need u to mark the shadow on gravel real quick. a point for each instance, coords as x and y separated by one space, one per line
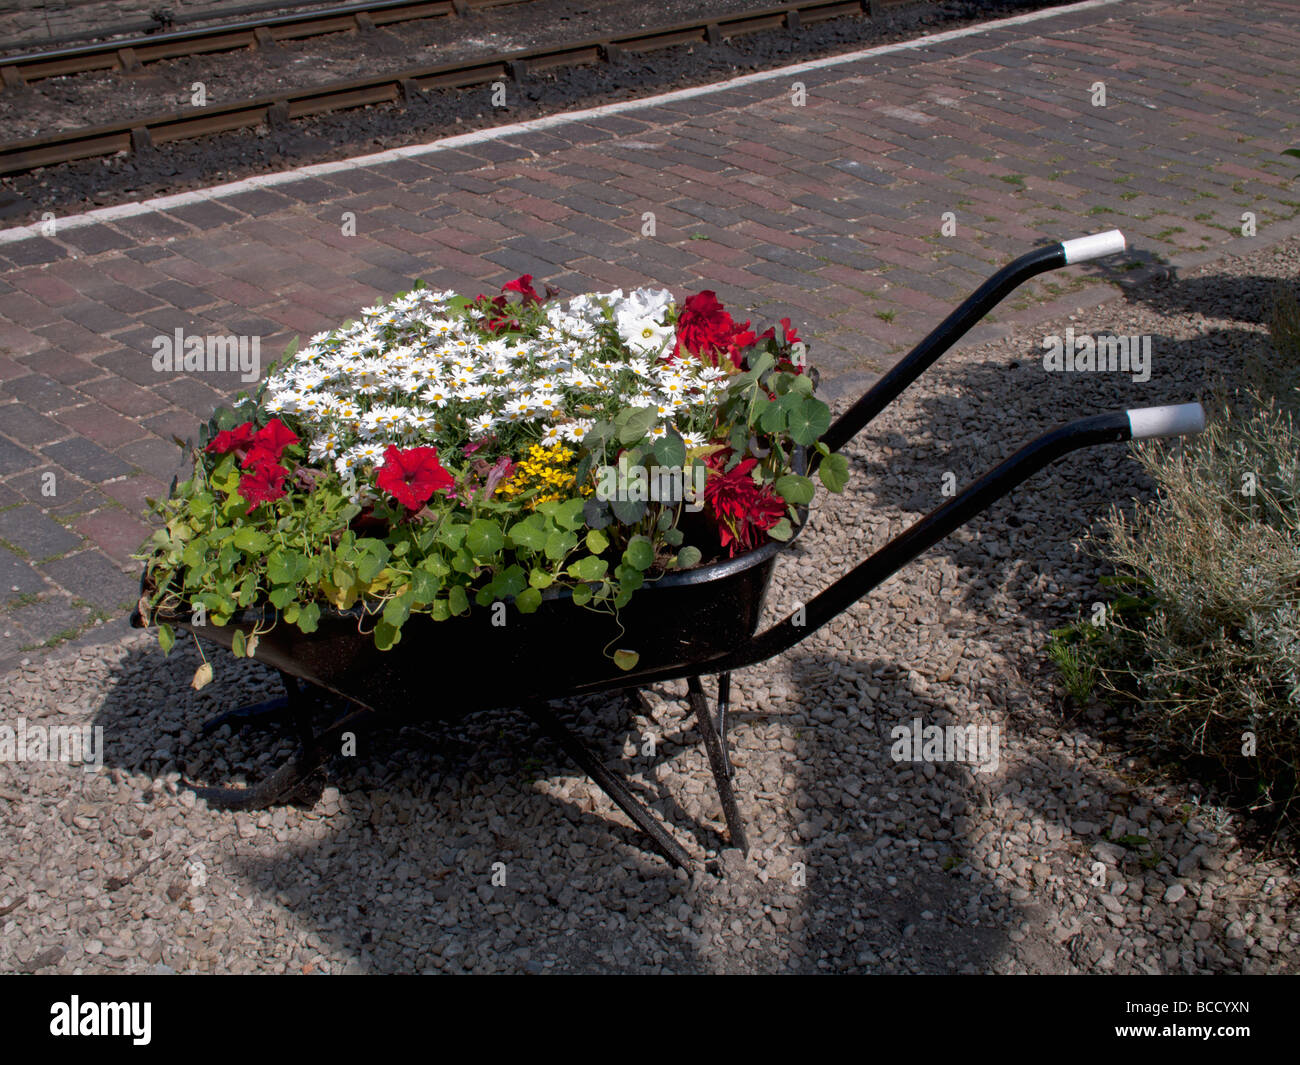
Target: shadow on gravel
392 862
963 419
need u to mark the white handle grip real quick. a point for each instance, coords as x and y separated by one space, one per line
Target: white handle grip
1182 419
1082 249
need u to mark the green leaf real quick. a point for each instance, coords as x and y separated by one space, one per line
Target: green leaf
629 579
510 581
772 418
670 450
688 556
308 617
782 530
628 511
251 541
529 533
285 567
398 609
597 541
596 514
528 600
237 643
569 514
834 472
764 363
589 568
457 600
374 557
424 586
452 535
281 597
640 553
626 660
673 537
638 422
559 544
484 538
386 636
809 420
166 638
582 594
539 578
795 489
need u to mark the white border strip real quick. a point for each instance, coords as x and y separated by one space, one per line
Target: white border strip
261 181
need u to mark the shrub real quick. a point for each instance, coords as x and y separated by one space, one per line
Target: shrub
1204 640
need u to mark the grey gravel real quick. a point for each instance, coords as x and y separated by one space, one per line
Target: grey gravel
857 862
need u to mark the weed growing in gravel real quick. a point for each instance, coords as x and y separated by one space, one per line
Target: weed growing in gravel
1205 642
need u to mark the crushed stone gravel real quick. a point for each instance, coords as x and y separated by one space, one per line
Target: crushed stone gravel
858 862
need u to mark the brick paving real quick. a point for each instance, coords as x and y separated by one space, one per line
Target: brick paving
829 212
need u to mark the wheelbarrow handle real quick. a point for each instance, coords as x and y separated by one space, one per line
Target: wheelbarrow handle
1139 424
960 321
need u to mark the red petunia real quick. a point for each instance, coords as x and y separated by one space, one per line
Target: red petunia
742 508
263 484
230 439
413 475
524 286
275 436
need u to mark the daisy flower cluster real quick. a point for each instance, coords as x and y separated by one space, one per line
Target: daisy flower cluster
434 369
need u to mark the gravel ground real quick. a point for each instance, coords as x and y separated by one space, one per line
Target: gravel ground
858 863
82 100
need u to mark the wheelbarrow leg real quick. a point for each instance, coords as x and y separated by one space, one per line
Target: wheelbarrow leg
724 704
609 783
716 750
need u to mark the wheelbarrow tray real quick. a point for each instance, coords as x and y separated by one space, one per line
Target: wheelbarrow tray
446 669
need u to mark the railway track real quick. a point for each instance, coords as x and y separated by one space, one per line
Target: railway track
130 54
282 108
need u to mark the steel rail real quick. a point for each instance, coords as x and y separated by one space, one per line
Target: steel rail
130 54
283 107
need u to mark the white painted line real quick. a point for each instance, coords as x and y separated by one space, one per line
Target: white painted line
262 181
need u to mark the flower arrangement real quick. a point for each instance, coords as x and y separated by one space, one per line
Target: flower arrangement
441 453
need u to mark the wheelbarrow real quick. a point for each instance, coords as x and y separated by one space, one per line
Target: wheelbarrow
684 625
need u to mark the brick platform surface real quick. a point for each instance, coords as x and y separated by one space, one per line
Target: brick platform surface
831 212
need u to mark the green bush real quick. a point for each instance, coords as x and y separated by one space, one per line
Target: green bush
1203 642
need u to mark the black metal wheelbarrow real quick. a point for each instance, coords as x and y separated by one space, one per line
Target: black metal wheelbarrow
684 625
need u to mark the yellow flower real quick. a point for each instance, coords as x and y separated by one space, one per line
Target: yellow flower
544 468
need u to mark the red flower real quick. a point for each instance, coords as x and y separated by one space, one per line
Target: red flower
263 484
413 475
704 328
275 436
229 439
791 336
524 286
708 331
742 508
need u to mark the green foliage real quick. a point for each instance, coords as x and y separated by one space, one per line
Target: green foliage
323 546
1204 641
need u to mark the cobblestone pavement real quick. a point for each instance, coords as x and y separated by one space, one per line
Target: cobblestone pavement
821 195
